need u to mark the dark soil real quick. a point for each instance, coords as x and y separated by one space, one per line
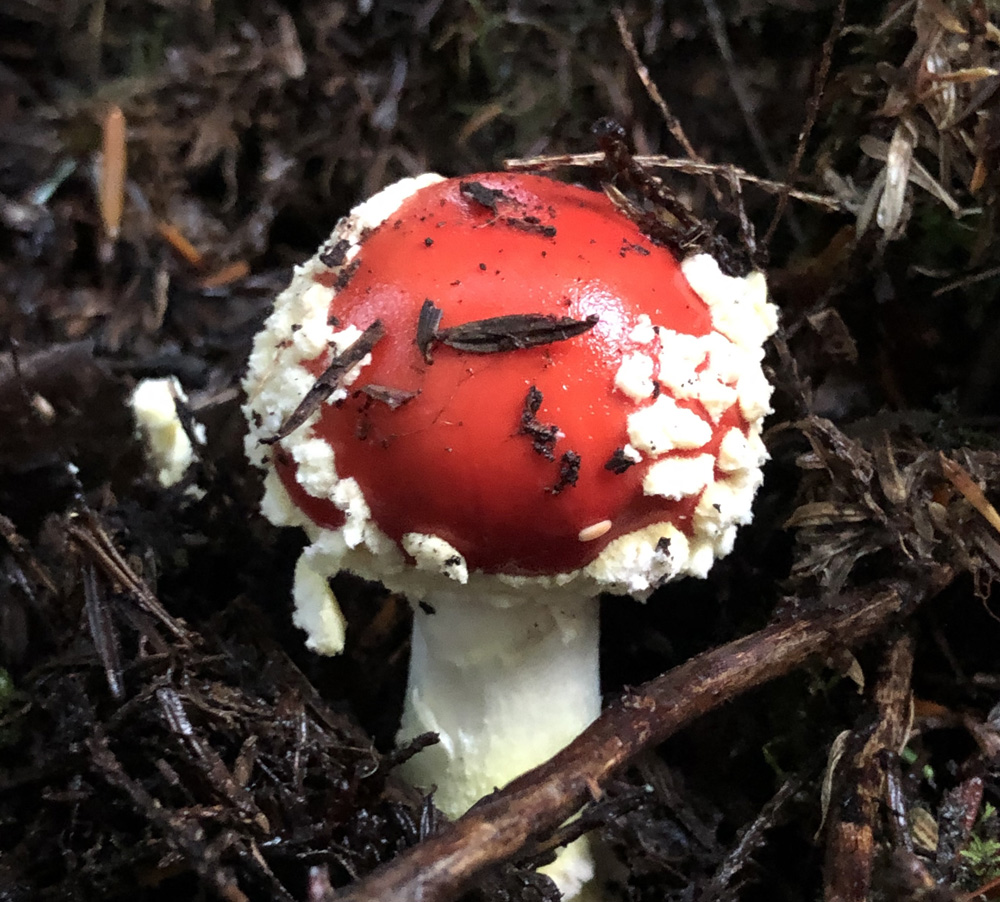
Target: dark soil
163 731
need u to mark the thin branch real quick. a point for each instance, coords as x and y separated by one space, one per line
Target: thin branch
966 281
87 532
672 122
717 25
503 824
690 167
814 103
751 838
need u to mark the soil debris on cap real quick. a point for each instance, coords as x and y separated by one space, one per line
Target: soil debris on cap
543 435
480 194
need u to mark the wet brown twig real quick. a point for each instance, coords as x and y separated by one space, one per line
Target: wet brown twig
329 380
853 845
501 825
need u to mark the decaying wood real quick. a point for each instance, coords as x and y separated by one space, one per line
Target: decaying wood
669 221
500 826
853 842
960 478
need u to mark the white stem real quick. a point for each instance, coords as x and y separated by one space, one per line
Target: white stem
505 688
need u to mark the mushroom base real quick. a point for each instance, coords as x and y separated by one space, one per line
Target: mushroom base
505 688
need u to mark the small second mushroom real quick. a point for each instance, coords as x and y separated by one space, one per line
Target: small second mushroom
515 401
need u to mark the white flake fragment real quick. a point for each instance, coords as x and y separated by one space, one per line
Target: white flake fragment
755 395
728 361
276 506
664 426
434 554
715 397
342 339
573 870
167 444
316 333
743 485
739 306
701 556
635 376
734 451
674 478
726 503
760 455
641 560
346 494
726 541
680 358
742 452
703 367
643 332
714 510
316 473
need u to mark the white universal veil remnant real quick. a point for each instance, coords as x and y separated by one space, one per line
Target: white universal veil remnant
168 447
497 396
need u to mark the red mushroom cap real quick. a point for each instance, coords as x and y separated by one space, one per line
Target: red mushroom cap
520 459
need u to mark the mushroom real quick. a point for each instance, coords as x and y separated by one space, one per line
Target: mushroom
498 397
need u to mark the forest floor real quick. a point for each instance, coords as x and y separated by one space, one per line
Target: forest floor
165 734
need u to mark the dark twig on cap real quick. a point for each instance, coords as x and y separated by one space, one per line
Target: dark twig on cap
513 332
327 383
